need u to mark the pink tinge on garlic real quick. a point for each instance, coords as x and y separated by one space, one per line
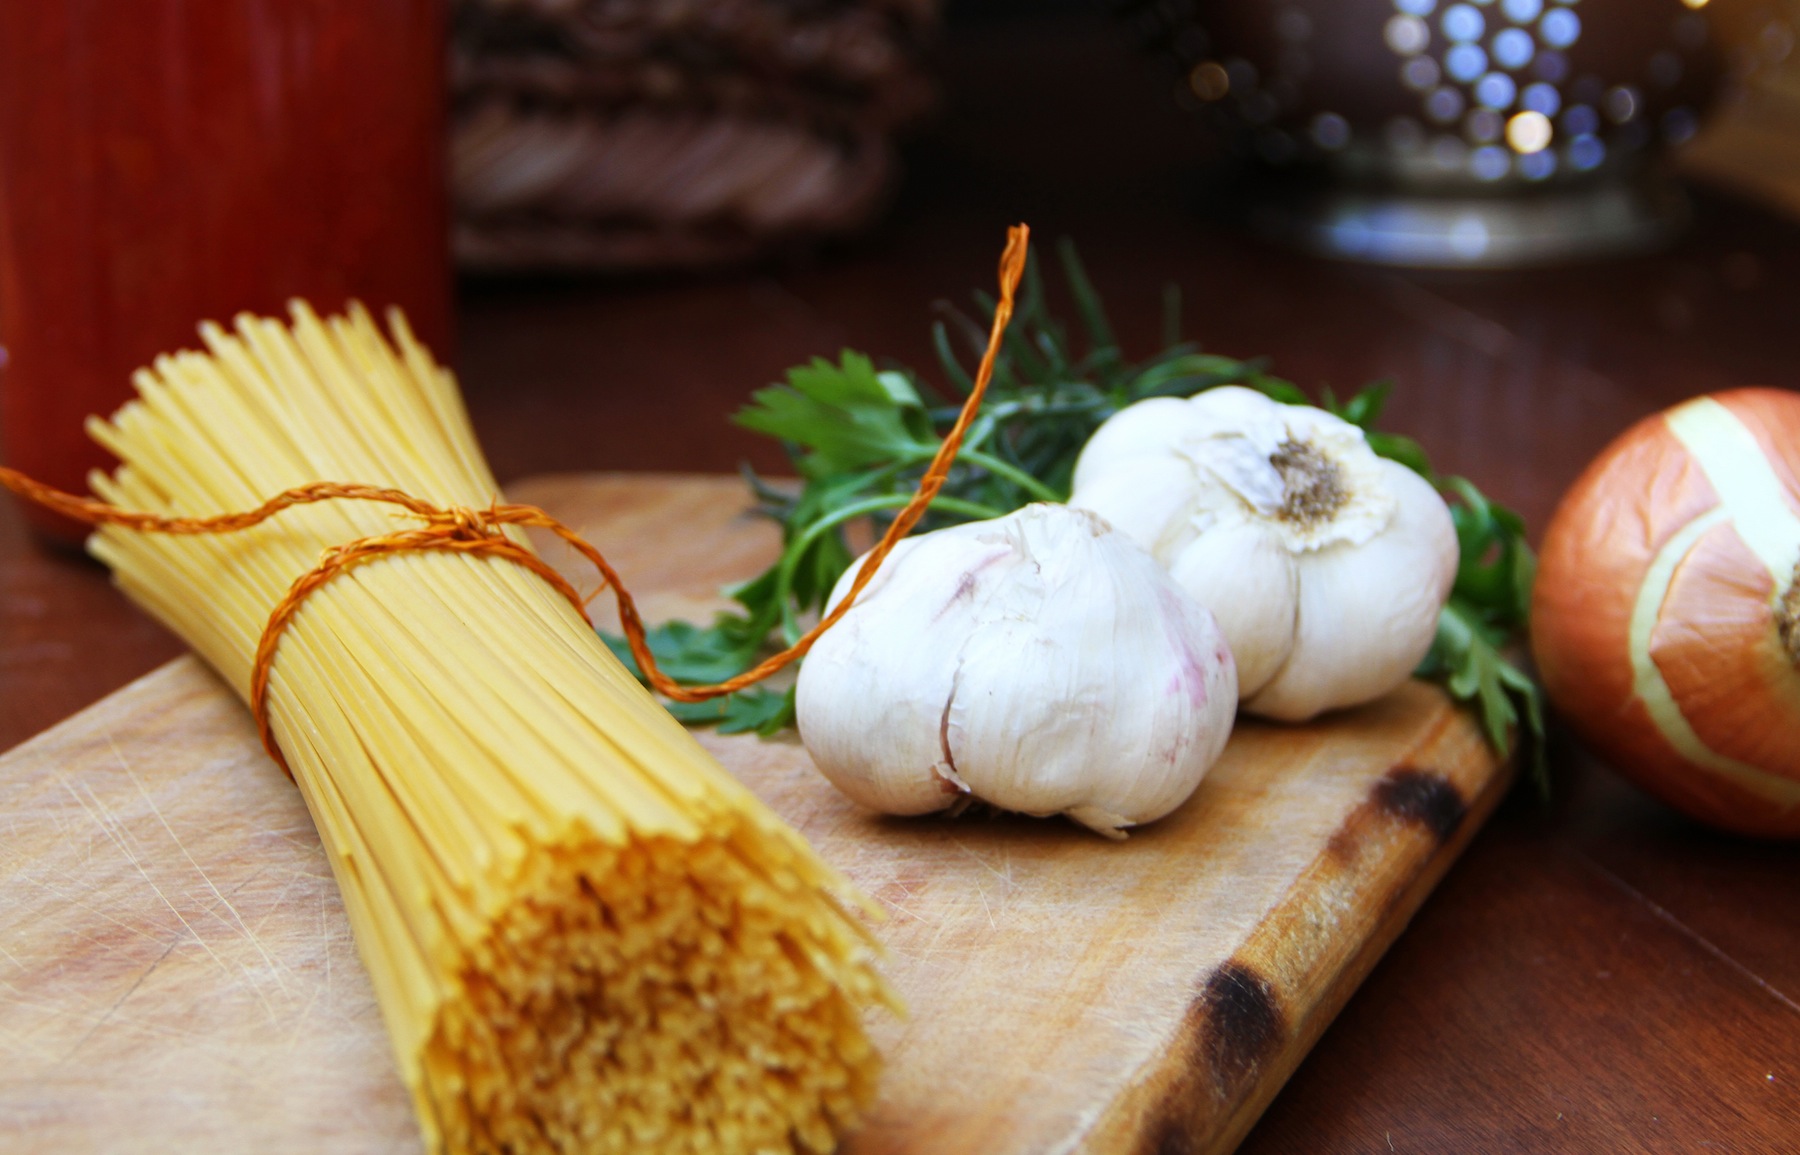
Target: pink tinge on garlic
1040 661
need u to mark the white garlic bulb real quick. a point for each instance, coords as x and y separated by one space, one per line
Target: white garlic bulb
1040 662
1325 565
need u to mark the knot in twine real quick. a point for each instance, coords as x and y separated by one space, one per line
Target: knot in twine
458 529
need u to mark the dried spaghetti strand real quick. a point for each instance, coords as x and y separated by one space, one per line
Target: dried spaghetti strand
582 932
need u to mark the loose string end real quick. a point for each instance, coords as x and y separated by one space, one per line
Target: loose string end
460 530
1012 270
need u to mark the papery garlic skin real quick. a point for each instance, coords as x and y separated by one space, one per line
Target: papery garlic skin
1325 564
1040 662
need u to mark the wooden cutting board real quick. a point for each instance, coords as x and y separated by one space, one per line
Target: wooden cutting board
176 972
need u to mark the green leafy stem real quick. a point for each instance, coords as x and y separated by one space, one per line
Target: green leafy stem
861 438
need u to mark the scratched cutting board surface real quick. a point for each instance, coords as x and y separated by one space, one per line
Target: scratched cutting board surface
176 972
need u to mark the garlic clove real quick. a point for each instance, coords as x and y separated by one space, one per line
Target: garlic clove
1250 581
1146 429
881 751
1041 661
1244 411
1367 612
1115 667
1150 503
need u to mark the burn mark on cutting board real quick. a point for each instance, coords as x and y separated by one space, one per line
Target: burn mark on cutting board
1242 1024
1234 1027
1424 797
1407 796
1171 1137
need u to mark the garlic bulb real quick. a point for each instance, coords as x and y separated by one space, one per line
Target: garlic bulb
1325 565
1040 662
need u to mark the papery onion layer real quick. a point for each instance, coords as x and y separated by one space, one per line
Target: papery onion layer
1656 618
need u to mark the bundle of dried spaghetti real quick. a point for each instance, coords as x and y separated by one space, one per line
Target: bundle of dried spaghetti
583 933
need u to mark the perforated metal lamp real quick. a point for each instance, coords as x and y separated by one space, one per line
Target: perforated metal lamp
1448 132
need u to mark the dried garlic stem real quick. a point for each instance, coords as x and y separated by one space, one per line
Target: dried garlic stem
1312 483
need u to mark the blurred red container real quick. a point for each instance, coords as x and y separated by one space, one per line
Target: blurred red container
164 162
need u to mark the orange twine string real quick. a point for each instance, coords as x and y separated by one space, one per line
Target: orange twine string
482 532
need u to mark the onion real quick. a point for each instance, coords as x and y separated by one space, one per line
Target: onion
1666 617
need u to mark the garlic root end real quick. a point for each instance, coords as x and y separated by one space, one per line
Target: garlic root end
1101 822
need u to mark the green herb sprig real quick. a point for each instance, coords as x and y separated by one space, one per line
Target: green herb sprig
861 437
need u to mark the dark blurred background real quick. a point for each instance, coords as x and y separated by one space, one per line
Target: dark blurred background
740 186
1056 115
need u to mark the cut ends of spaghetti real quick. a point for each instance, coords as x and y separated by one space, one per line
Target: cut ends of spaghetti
662 996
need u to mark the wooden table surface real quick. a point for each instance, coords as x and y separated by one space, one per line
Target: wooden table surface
1597 974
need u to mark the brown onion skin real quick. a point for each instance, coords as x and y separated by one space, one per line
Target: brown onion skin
1715 641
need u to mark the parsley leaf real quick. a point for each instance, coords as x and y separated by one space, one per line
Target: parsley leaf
842 417
759 710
